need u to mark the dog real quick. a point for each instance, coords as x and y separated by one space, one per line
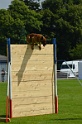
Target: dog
36 39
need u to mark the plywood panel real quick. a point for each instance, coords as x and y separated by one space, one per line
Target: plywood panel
26 58
33 112
36 67
33 62
48 49
32 83
32 100
27 77
29 107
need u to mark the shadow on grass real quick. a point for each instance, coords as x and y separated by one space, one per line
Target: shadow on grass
68 119
2 118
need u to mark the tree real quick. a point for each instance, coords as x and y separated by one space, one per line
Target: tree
5 23
32 4
68 24
76 53
52 5
17 22
57 18
48 19
25 20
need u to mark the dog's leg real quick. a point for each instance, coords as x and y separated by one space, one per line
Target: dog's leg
40 46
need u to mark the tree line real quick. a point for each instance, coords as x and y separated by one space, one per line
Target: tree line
60 19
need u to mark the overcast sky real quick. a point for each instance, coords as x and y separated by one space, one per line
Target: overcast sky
4 3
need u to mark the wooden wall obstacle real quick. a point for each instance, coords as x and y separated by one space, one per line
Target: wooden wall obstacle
32 80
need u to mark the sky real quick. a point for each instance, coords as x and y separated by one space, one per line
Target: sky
4 3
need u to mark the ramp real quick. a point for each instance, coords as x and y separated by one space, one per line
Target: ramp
32 82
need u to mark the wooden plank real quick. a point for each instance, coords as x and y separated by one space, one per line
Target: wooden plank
31 82
33 62
32 100
32 112
32 87
29 77
21 49
38 72
31 93
29 107
35 68
26 78
33 58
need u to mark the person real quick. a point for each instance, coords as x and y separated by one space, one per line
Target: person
2 74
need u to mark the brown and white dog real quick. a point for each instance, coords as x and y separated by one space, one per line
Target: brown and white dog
36 39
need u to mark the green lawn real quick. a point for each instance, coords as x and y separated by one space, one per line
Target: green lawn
70 105
3 92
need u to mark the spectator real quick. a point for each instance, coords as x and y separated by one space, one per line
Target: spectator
2 74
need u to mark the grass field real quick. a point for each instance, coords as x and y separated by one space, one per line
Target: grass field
70 106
